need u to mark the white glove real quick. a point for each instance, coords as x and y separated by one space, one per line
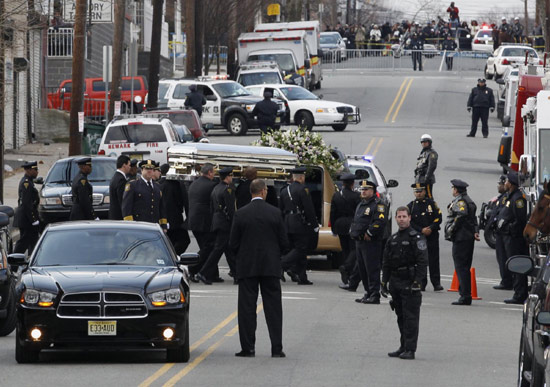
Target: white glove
168 226
96 218
316 229
36 223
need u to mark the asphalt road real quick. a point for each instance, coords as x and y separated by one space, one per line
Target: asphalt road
329 339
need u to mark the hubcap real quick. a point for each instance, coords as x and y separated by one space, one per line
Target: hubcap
235 125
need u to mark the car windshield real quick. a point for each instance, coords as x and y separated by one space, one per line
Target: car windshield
329 39
285 61
260 78
136 133
104 246
485 34
184 133
354 168
63 172
297 93
184 118
230 89
518 51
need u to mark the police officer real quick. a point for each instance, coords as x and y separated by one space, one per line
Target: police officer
82 192
517 30
133 173
26 215
195 100
462 229
142 200
416 45
301 223
342 210
506 279
426 164
242 193
367 229
266 111
449 45
512 219
156 172
116 187
404 268
222 202
426 219
481 99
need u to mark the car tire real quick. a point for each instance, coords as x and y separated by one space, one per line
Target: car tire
339 127
23 354
236 125
537 375
524 364
181 353
304 119
487 75
490 237
495 75
8 324
338 57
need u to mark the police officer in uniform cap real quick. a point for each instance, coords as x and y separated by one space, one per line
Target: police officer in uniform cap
426 219
462 229
404 268
133 174
342 210
506 280
426 164
142 200
82 192
367 229
301 223
266 111
222 203
512 219
26 215
481 99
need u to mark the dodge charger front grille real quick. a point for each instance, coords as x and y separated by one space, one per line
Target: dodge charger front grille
102 305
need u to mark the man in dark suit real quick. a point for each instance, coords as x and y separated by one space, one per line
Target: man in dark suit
82 192
200 215
258 240
242 193
133 174
116 187
26 215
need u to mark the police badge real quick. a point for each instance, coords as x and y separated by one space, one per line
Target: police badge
421 244
367 211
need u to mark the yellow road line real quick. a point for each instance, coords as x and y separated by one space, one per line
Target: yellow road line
402 99
147 382
395 100
370 145
377 147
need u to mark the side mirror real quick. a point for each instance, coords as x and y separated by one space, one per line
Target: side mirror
39 180
543 318
208 126
504 150
188 259
362 174
506 121
500 81
211 97
62 93
520 264
526 170
392 183
321 96
17 259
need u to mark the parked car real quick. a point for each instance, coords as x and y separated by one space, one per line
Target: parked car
508 80
483 40
106 284
308 110
189 117
55 195
257 73
333 46
507 56
139 137
94 95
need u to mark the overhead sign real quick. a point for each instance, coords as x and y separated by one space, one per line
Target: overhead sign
101 12
273 10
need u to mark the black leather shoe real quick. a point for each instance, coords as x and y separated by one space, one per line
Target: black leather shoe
244 353
347 287
407 355
463 301
438 288
396 353
278 354
470 135
485 136
305 282
203 279
513 301
362 300
372 300
502 287
343 274
293 276
219 279
194 279
235 281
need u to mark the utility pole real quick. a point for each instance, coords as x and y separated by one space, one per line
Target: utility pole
118 41
77 93
547 25
231 44
199 36
526 31
154 58
190 37
348 6
2 81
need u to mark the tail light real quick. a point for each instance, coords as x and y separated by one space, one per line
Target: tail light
505 62
101 152
540 62
477 41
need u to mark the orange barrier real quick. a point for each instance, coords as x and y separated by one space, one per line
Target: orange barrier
474 284
454 284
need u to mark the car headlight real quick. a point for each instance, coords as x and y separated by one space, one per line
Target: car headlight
137 99
106 199
33 297
56 200
326 110
164 297
249 108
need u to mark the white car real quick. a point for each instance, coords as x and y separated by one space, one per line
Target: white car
483 40
509 55
257 73
333 46
307 110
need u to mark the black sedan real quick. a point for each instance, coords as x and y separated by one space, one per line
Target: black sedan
103 285
55 194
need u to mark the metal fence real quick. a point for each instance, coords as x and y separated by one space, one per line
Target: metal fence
397 60
60 42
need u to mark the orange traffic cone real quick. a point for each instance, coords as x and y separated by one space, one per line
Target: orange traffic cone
454 284
474 284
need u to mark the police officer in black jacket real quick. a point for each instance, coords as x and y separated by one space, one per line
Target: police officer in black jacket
416 45
426 164
133 173
481 100
367 229
82 192
195 100
222 203
176 203
142 200
301 223
116 187
462 229
506 280
26 215
512 219
449 45
426 219
342 210
266 111
404 268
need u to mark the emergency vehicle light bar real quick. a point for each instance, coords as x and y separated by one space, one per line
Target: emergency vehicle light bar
269 39
285 29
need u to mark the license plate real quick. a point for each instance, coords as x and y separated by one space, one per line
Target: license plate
101 328
277 119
